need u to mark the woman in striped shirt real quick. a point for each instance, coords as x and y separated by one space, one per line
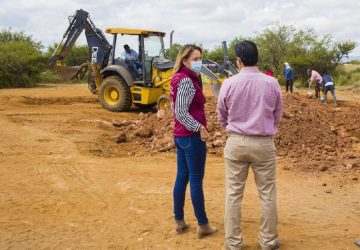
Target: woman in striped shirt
190 135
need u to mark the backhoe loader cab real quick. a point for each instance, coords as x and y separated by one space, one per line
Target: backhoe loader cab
119 88
150 48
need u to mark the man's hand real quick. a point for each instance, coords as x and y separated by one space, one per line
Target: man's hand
204 134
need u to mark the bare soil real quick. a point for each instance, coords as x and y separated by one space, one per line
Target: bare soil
65 183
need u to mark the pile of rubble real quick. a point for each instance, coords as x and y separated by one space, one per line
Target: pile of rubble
314 137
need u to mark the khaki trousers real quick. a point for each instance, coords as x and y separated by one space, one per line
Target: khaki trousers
240 153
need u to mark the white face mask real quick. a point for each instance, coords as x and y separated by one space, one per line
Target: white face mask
196 66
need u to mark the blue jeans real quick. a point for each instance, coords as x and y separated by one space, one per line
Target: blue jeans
191 157
134 66
138 65
330 88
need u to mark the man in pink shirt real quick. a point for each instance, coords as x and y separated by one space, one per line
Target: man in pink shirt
250 109
316 78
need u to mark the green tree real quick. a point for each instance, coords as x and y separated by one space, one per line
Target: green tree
175 50
232 45
302 48
7 36
21 60
342 49
216 54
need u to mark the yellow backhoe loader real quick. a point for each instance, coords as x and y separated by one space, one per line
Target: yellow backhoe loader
113 78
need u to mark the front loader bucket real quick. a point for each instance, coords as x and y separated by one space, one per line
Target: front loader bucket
215 89
214 80
67 73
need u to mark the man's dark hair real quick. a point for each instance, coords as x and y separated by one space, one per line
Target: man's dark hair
247 52
126 47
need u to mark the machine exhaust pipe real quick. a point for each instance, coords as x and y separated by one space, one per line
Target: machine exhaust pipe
171 45
226 55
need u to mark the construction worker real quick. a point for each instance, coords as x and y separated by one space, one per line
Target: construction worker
250 109
289 77
316 78
131 57
190 134
329 85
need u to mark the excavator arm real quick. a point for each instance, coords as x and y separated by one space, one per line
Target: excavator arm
99 48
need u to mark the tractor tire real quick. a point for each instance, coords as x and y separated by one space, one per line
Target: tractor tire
163 103
115 95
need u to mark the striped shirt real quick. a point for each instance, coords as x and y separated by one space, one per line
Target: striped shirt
185 95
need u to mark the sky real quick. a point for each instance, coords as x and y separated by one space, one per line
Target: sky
207 22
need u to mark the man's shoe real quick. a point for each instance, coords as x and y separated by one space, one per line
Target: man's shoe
205 230
180 226
228 247
276 246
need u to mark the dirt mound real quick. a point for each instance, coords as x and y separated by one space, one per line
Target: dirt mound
318 137
58 100
313 136
151 131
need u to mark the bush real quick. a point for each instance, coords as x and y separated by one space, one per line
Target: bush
347 75
21 60
281 80
49 76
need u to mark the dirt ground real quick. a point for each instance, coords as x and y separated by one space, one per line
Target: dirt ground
66 184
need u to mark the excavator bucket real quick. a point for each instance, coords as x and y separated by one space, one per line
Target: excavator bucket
67 73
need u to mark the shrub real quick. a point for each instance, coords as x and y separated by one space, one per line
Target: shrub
21 60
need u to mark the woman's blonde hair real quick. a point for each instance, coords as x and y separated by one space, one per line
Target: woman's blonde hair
184 53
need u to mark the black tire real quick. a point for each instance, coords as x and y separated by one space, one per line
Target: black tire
115 95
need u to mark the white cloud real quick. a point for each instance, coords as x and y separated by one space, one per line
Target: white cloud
206 22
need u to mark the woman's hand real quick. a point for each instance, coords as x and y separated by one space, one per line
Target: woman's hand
204 134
